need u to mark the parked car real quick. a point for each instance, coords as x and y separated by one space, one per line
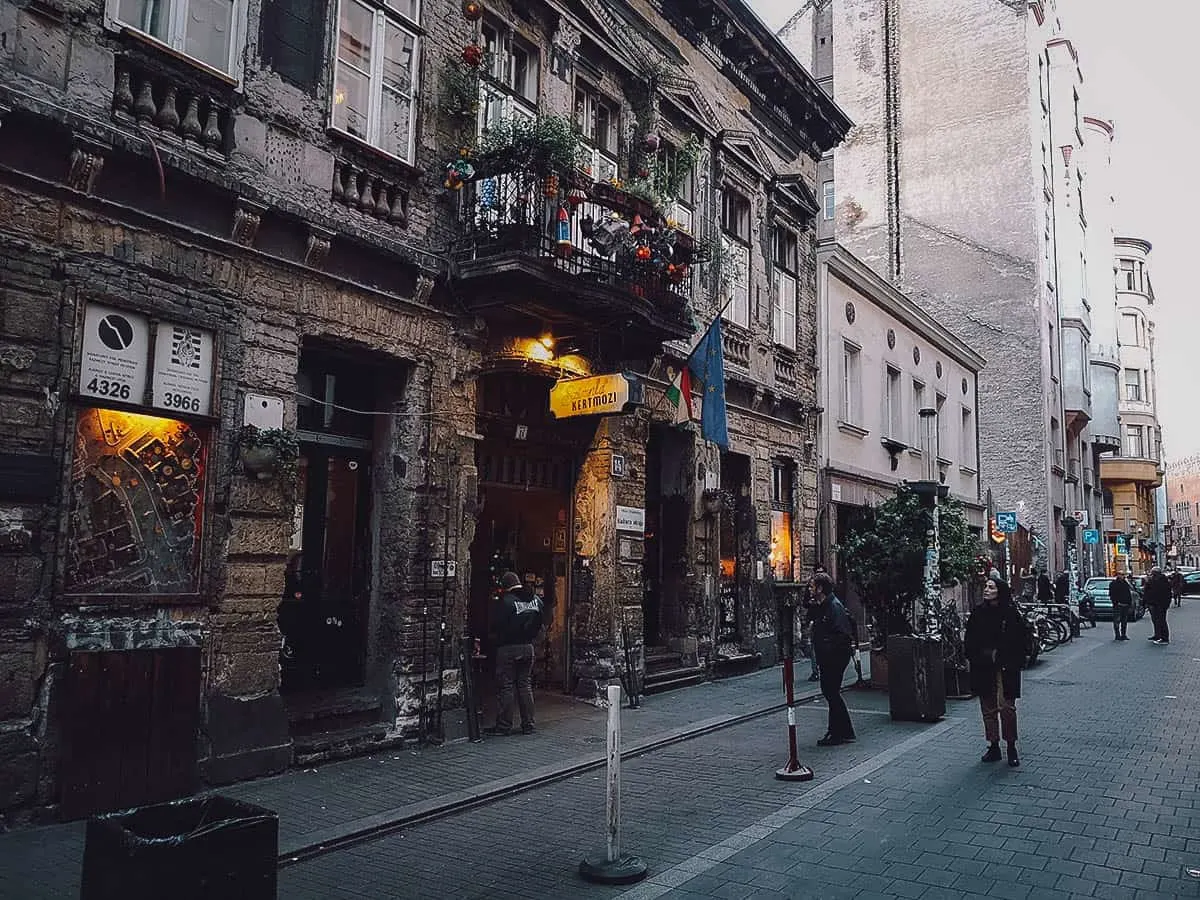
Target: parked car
1191 583
1097 591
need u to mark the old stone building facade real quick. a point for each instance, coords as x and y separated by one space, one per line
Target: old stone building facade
250 221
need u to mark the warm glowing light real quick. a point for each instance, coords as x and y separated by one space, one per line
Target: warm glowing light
547 341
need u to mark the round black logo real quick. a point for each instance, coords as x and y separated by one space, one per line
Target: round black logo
115 332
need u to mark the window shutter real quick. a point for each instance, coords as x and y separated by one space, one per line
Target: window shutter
292 40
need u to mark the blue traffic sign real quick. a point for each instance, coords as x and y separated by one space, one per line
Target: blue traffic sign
1091 536
1121 545
1007 522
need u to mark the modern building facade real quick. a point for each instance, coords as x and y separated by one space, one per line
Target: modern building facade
269 220
970 199
883 360
1132 474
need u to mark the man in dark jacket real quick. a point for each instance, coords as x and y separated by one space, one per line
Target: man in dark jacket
518 619
1158 599
1062 588
832 637
1121 598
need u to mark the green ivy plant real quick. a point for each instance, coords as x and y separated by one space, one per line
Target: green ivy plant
282 440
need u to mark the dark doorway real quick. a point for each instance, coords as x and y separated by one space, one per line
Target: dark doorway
664 568
326 602
737 548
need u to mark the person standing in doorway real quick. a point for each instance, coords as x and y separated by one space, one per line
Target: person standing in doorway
995 648
832 644
1158 599
1121 597
518 622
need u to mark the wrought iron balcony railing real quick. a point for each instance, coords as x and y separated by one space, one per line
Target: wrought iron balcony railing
596 236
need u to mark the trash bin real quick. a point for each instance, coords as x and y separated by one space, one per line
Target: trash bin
916 678
201 848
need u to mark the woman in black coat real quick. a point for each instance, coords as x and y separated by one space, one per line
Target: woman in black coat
995 648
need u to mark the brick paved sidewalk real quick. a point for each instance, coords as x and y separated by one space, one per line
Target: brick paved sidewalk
1105 804
327 802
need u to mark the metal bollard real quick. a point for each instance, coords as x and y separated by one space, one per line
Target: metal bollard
615 868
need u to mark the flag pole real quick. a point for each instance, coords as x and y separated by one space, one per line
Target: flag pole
661 400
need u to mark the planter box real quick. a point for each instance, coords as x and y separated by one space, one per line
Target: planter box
879 669
917 691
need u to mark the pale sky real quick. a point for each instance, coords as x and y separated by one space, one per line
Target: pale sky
1138 59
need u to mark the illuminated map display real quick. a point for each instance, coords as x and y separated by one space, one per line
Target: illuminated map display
136 506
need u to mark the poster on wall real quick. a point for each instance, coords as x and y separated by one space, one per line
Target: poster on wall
136 505
183 369
116 350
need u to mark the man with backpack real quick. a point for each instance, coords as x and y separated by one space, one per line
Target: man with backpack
518 620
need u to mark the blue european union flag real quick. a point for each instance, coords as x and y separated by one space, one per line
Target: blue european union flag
707 365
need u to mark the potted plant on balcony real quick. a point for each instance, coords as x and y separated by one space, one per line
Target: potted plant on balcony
545 146
268 452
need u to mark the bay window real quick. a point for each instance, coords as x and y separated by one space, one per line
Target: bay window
375 74
211 32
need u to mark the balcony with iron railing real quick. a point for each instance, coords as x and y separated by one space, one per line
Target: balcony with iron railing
535 246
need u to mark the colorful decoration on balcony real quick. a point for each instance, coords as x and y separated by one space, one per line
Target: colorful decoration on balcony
576 197
562 242
472 10
459 172
472 55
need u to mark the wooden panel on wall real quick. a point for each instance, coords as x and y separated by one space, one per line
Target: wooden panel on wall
131 720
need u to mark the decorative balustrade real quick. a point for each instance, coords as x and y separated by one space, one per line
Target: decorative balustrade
737 348
366 190
172 106
785 372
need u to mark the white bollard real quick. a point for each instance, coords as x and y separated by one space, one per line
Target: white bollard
615 868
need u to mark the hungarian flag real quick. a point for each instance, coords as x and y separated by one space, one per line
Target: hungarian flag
680 396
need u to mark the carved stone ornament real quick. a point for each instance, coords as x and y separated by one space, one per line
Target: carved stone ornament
317 249
850 312
246 219
85 164
424 289
937 368
917 355
891 338
19 358
964 386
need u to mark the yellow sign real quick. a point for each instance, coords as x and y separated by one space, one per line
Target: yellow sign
600 395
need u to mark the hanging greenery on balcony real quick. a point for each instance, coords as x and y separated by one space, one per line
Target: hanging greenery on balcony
547 145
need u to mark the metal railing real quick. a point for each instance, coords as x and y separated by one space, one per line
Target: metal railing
577 235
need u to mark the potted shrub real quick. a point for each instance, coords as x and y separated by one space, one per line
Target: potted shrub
267 452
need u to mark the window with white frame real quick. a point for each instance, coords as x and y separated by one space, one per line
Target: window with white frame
893 404
967 444
787 265
1131 330
828 201
1135 441
1133 385
918 426
375 74
851 384
735 228
683 208
599 122
509 86
211 32
942 444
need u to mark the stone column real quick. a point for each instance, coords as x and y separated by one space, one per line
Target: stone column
606 601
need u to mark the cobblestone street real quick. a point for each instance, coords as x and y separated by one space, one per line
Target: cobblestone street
1103 805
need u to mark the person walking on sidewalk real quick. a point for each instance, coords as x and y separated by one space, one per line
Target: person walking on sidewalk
1121 597
1158 599
995 648
518 622
832 636
1177 587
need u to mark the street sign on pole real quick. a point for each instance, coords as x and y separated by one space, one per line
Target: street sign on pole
1007 522
1120 546
1091 536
